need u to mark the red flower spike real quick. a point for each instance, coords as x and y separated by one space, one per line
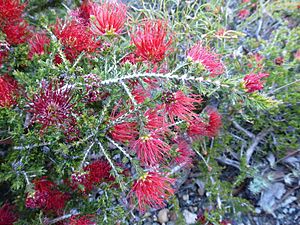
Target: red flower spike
150 149
99 171
75 37
53 107
209 60
184 153
38 44
196 128
214 124
243 14
152 190
81 220
140 93
253 82
81 181
8 91
46 197
179 105
10 10
83 12
17 32
151 40
108 17
154 120
7 215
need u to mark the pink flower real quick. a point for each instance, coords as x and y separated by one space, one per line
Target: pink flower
53 107
7 215
8 91
150 149
179 105
152 40
243 13
38 44
108 17
83 12
75 37
152 189
253 82
209 60
154 120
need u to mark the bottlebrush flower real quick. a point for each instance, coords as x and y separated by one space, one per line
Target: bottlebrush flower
252 82
7 215
209 60
83 12
153 119
108 17
150 149
8 91
53 107
38 44
124 132
81 220
152 189
46 196
196 128
10 10
184 153
243 14
214 123
17 32
140 93
152 40
179 105
75 37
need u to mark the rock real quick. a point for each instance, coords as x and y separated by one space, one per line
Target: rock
185 197
189 217
163 216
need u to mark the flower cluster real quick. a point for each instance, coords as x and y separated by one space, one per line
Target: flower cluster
7 215
8 91
38 44
94 173
53 107
81 220
253 81
152 189
152 40
108 17
46 196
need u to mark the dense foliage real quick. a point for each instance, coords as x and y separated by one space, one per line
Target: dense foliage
103 103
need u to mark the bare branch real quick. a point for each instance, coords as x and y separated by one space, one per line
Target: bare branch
237 126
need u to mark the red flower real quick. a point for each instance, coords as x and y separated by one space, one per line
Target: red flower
150 149
209 60
153 119
7 216
196 128
151 40
8 91
108 17
75 37
179 105
46 197
243 13
81 220
253 82
17 32
123 132
214 124
83 12
184 153
53 107
152 189
38 44
140 93
10 10
279 60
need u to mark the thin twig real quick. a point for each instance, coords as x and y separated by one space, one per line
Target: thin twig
119 147
254 144
61 218
237 126
87 151
229 162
